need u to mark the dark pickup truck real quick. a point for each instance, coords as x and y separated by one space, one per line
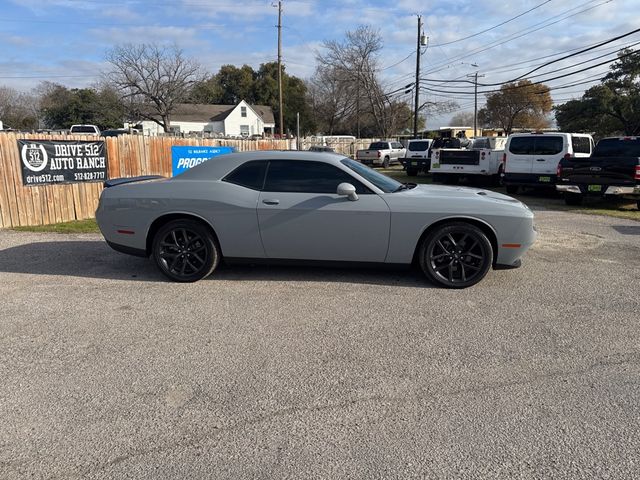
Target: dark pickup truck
612 169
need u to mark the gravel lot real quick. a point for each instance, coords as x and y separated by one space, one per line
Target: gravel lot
108 371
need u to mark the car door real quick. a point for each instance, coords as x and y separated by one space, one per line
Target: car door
548 152
398 150
520 153
300 216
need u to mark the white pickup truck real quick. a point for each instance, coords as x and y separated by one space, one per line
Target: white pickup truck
381 153
484 157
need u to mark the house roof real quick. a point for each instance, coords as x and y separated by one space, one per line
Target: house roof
200 112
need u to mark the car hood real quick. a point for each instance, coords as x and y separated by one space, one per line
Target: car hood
453 194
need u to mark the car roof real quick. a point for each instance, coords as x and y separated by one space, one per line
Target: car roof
220 166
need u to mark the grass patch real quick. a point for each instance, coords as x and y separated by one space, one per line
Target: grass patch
76 226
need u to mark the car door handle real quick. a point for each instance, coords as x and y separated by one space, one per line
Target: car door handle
268 201
540 160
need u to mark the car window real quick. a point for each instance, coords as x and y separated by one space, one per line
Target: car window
479 143
581 144
250 175
308 177
379 146
522 145
618 147
418 146
83 129
548 145
381 181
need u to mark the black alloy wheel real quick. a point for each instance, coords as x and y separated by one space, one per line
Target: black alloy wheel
185 251
456 255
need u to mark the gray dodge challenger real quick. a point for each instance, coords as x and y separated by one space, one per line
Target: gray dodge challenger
277 206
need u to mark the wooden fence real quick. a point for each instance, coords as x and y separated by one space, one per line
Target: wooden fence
128 155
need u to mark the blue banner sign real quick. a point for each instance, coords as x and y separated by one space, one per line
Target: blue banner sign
183 158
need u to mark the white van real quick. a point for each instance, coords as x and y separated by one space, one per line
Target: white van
416 156
531 159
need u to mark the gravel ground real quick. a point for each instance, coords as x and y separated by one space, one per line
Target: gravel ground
108 371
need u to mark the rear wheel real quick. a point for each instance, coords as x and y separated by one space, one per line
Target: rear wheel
412 172
573 199
185 251
512 189
385 162
456 255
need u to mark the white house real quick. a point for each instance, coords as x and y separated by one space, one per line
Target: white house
241 120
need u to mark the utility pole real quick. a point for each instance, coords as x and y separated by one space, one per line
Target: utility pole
475 103
417 85
298 131
280 67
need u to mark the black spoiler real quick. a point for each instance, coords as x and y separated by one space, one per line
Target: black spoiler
121 181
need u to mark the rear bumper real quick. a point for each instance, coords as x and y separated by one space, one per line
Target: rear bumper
419 163
622 191
530 180
370 161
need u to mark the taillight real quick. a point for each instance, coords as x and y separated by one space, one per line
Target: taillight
559 171
378 153
637 175
504 162
482 155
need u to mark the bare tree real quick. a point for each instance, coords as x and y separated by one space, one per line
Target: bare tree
152 79
18 109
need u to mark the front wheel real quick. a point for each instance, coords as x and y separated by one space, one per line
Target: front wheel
456 255
185 251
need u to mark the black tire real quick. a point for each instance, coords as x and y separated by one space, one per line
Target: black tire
512 189
412 172
451 179
573 199
385 162
456 255
437 177
497 179
185 251
638 204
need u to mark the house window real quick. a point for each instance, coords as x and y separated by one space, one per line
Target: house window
243 111
244 130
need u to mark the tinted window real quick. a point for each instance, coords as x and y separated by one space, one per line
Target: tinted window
617 147
83 129
548 145
250 175
379 146
308 177
581 145
418 146
522 145
381 181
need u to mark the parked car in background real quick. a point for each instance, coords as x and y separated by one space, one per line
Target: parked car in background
531 159
84 130
382 153
612 170
416 157
320 148
114 132
276 206
483 158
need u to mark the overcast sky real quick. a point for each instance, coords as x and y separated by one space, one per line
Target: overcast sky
65 40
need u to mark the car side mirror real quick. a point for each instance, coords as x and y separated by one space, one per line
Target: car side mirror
347 190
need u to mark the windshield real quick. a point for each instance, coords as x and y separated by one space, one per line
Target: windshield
418 146
384 183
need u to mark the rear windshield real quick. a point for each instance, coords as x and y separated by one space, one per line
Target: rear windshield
418 146
479 143
83 129
379 146
581 145
618 147
536 145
